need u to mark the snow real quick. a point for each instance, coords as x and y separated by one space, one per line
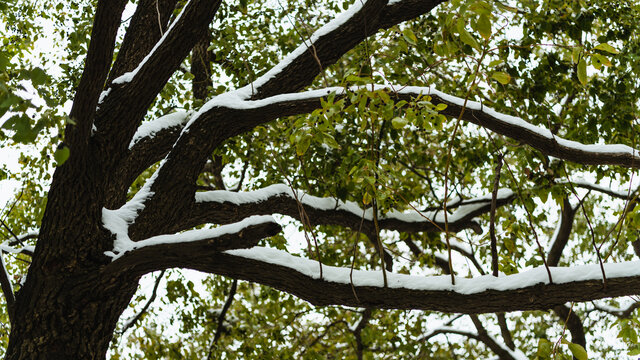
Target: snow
117 221
14 250
332 25
193 235
465 286
237 99
127 77
261 195
149 129
103 95
596 187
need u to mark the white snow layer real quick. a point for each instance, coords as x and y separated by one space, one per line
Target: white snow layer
149 129
257 196
16 250
237 100
127 77
191 235
466 286
596 187
118 221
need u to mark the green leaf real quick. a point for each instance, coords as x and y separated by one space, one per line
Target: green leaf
582 72
399 122
598 60
606 47
61 154
441 107
38 76
545 347
409 36
303 145
502 77
578 351
469 39
484 26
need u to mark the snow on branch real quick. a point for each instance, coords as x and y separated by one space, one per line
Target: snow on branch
528 290
327 44
189 248
620 194
514 127
131 94
280 198
27 249
148 130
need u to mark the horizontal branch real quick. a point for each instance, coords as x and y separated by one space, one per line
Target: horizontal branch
188 249
620 194
218 205
528 290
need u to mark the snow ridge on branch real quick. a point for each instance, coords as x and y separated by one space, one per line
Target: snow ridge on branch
319 203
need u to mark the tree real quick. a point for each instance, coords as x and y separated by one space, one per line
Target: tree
402 135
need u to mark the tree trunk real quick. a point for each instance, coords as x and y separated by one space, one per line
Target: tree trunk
66 308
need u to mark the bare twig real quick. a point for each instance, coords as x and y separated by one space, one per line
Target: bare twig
221 316
492 226
146 306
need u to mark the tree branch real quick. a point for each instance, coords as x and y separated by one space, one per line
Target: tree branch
220 206
96 68
528 290
141 35
191 249
130 94
562 233
146 306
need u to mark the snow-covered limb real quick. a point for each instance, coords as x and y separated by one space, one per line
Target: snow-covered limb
327 44
190 248
162 124
529 290
212 206
131 93
514 127
27 249
620 194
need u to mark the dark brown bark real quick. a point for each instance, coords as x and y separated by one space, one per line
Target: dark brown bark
321 293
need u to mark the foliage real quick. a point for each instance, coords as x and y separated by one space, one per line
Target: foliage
570 66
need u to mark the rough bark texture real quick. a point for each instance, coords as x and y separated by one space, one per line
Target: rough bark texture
74 294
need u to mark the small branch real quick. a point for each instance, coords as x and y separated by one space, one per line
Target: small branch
357 332
223 313
146 306
504 330
492 226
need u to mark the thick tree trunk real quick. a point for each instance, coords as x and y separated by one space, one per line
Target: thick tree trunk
66 308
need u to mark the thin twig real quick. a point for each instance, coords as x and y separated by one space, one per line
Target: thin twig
492 215
221 316
146 306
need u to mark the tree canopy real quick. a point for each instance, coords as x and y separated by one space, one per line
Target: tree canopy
350 179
